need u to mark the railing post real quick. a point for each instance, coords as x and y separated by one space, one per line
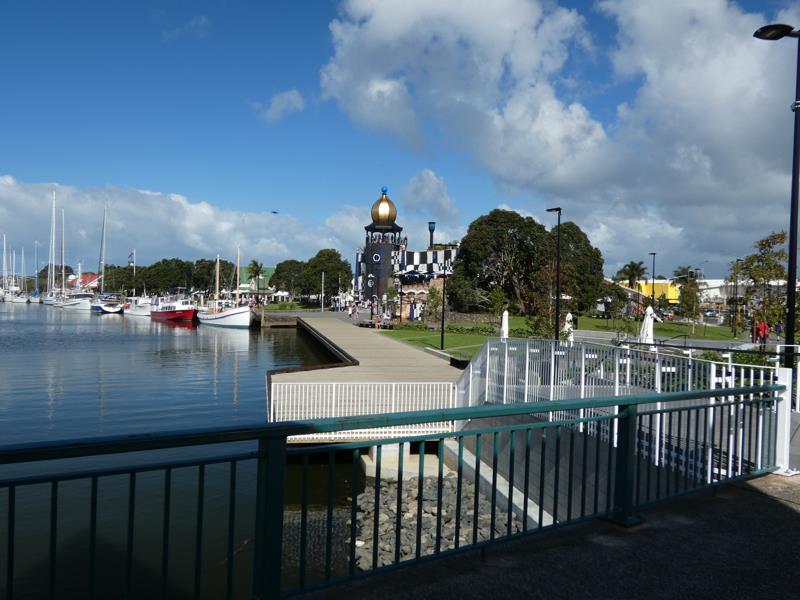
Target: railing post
712 384
527 361
469 386
783 402
625 469
552 374
505 369
271 474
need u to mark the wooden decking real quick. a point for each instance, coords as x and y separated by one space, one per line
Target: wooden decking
381 359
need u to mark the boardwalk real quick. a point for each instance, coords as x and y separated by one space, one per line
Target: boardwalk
381 359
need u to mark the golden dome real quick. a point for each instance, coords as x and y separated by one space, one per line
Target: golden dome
384 212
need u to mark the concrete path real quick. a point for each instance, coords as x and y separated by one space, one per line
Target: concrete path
738 543
381 359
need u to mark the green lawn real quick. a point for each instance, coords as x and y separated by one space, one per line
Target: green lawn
666 329
458 344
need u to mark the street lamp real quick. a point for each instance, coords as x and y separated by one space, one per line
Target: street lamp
776 32
557 209
431 229
735 318
444 293
653 290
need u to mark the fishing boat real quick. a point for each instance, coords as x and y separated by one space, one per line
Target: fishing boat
226 313
173 308
79 300
138 306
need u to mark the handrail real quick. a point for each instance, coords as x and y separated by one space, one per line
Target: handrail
59 449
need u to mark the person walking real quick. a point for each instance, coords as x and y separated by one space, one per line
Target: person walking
763 333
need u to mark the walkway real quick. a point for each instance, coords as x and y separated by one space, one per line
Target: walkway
738 543
381 359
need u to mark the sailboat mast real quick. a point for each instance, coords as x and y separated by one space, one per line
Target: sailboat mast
237 275
36 266
216 288
51 256
102 267
22 272
63 267
5 265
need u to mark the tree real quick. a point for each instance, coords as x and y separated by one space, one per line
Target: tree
581 266
689 294
256 269
433 304
506 250
286 276
166 274
336 269
761 268
204 274
631 273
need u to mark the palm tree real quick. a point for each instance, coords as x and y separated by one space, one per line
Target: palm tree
256 269
632 272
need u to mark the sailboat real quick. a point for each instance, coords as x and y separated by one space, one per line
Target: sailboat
78 299
105 303
22 294
226 313
52 294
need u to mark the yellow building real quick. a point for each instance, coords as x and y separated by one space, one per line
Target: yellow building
663 287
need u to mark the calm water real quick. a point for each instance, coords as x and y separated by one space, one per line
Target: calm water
66 374
70 374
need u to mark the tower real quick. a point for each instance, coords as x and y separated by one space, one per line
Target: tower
382 244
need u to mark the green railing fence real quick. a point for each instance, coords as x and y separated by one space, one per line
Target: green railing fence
238 513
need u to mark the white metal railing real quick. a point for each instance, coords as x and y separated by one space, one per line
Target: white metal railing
308 401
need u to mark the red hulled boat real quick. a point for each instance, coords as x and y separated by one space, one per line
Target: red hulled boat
173 309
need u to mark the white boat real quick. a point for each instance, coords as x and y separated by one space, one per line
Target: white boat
78 301
112 308
138 306
20 299
226 313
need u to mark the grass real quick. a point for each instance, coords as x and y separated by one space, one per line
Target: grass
666 329
458 344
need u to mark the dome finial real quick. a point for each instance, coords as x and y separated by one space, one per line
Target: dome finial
384 190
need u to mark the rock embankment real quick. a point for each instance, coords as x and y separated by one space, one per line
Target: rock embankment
409 515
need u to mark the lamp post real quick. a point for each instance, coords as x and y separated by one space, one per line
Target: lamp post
735 317
557 209
653 286
776 32
431 229
444 293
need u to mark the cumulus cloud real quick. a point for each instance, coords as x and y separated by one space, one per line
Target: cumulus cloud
160 225
426 195
197 27
280 105
698 154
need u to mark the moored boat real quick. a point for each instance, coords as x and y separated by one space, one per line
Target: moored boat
77 301
225 313
171 308
138 306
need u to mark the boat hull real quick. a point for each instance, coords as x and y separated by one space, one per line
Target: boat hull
111 310
82 304
233 317
185 314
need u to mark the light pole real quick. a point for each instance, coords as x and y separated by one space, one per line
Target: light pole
444 293
776 32
431 229
557 209
735 294
653 287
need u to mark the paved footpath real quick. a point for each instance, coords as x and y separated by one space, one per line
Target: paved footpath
380 358
741 542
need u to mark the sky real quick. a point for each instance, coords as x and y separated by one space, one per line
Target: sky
657 126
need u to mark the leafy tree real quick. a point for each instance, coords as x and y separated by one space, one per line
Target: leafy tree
434 303
337 270
256 270
689 294
759 269
581 266
497 301
166 274
631 273
286 276
204 274
57 270
662 303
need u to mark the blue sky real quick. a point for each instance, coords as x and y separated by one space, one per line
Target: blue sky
176 107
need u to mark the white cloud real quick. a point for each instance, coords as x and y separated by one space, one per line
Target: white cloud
280 105
426 195
197 27
160 226
700 151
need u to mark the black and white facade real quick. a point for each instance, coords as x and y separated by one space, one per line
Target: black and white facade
385 256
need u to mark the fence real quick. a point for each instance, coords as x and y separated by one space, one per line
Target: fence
265 520
304 401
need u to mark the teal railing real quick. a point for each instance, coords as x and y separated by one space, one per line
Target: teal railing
238 513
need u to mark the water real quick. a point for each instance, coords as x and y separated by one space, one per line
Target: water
66 374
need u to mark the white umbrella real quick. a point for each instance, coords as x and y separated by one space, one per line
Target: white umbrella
646 332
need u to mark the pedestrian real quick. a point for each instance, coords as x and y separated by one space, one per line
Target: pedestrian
763 333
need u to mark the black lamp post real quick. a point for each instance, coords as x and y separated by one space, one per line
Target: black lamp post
431 229
776 32
735 295
557 209
653 287
444 296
